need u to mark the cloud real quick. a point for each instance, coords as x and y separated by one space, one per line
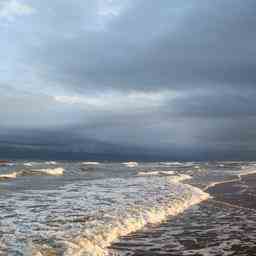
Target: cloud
154 46
160 75
117 101
9 9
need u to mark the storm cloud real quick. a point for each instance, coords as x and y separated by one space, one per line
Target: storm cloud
172 78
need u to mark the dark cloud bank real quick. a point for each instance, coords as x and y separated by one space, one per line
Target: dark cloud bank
140 79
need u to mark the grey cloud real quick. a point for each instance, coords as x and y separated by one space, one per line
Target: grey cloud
151 46
201 51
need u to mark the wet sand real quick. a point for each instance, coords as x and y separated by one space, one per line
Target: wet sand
224 225
237 193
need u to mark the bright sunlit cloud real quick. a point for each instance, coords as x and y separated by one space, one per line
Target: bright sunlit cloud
116 101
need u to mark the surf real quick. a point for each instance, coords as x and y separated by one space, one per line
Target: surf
157 199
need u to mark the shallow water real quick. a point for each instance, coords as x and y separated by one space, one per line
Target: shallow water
209 229
80 208
223 225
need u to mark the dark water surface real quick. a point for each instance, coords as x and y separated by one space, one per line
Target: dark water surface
80 208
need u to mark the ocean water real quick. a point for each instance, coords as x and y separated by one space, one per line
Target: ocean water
84 208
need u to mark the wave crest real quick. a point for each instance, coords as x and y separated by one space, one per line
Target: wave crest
90 163
155 173
130 164
48 171
8 176
97 236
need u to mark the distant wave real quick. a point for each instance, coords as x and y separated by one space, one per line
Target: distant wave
90 163
50 162
27 172
130 164
171 163
29 164
8 176
183 164
156 173
48 171
171 175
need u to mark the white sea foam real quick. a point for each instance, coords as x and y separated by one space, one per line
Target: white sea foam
51 162
86 217
247 171
98 235
48 171
180 177
178 164
171 163
156 173
54 171
7 176
90 163
28 164
131 164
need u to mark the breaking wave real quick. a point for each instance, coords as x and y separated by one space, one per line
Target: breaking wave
8 176
155 173
178 164
130 164
90 163
30 164
27 172
50 162
247 171
48 171
159 199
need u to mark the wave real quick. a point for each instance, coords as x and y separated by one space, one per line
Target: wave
136 220
130 164
183 164
171 163
8 176
247 171
172 177
50 162
90 163
180 177
53 172
48 171
29 164
163 198
156 173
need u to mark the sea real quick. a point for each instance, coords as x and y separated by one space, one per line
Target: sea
50 208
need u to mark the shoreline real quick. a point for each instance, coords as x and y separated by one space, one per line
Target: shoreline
213 227
237 193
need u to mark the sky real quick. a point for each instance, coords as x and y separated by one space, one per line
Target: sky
128 79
